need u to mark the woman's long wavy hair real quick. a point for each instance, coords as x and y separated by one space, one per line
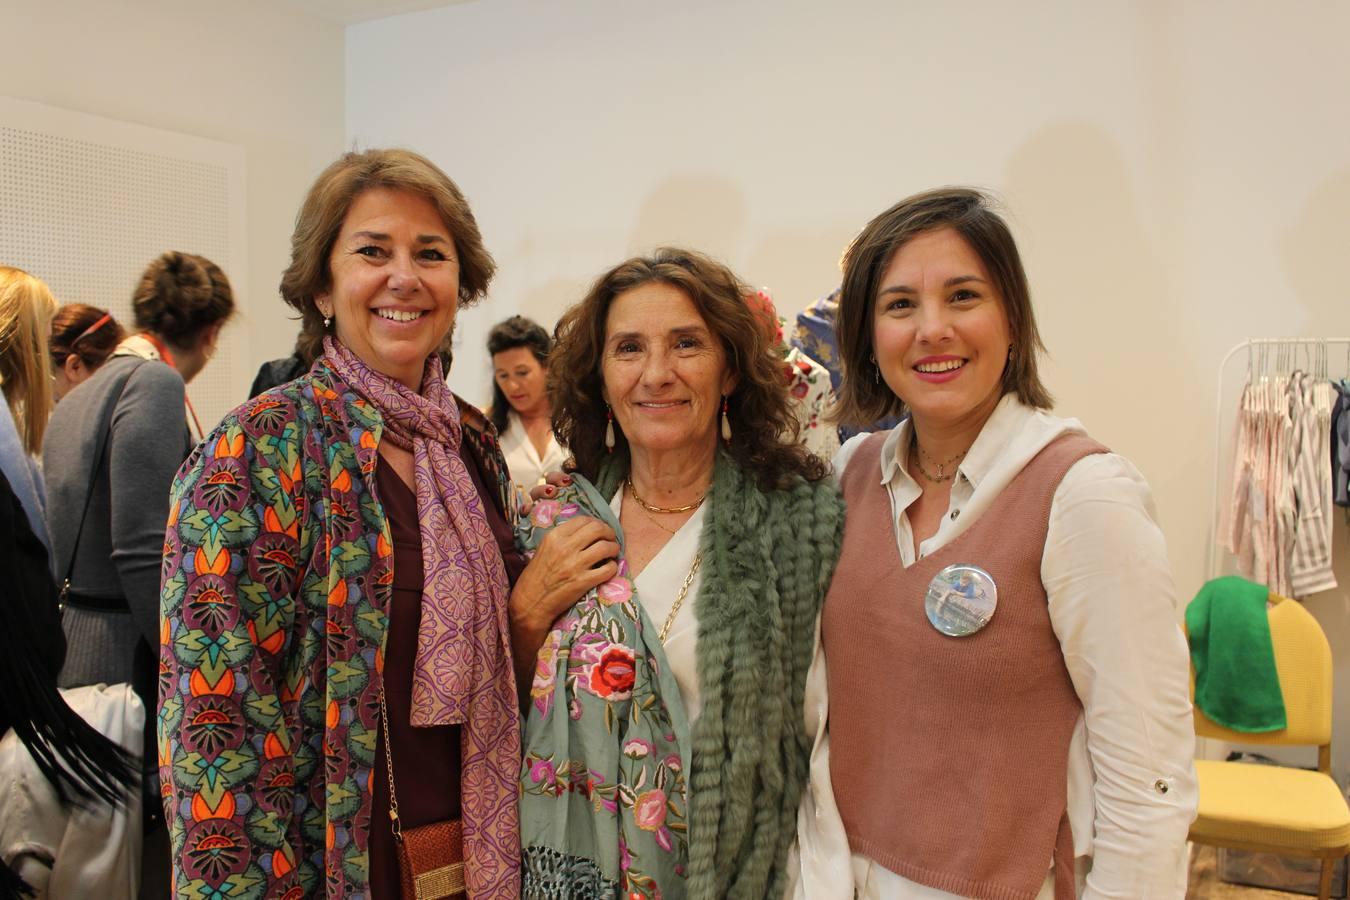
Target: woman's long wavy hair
764 432
26 309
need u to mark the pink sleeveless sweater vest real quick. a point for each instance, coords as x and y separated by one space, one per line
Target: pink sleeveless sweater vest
949 755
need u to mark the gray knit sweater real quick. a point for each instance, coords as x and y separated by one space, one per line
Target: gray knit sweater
122 542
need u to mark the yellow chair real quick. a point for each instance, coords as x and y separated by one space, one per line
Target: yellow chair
1274 809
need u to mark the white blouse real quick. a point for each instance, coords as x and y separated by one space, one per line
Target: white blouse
1131 781
527 467
658 585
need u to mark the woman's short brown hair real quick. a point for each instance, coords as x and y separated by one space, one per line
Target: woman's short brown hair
320 220
862 397
763 430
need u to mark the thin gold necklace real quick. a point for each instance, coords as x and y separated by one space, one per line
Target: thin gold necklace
663 509
679 598
657 522
941 475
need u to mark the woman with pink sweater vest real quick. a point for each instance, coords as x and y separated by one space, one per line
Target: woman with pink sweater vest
1008 708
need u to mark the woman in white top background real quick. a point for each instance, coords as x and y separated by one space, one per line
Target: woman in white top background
520 408
1011 535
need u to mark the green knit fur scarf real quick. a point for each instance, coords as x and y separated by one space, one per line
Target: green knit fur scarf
767 561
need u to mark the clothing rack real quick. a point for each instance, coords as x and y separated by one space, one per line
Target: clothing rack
1266 356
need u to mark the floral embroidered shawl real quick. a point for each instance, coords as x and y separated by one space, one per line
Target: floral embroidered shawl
603 783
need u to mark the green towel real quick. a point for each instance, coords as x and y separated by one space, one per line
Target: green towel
1236 683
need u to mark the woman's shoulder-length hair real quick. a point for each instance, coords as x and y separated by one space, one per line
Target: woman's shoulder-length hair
325 207
863 398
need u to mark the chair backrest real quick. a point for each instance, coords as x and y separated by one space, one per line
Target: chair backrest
1303 662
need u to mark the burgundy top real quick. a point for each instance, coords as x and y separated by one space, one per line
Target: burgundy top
426 760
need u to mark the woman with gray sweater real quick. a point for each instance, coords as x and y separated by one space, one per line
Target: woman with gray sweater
113 446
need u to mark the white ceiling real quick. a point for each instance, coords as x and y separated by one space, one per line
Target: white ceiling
349 12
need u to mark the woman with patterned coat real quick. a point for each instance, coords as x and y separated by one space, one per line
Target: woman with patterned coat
336 667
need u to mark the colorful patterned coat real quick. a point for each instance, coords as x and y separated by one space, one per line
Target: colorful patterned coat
277 578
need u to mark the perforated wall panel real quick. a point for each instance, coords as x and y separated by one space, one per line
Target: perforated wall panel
86 203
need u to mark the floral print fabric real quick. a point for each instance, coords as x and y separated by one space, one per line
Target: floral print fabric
815 336
811 397
603 782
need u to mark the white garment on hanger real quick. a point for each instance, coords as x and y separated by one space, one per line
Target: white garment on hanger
1277 521
1310 569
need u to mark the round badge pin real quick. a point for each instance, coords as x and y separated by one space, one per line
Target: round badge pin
961 600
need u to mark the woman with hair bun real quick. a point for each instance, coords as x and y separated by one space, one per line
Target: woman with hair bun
112 450
83 337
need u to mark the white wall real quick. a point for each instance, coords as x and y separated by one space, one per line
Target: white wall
244 72
1178 175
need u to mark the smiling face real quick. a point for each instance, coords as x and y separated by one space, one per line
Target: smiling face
522 380
395 282
664 371
940 330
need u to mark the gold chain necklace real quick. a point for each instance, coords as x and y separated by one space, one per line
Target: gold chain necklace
679 598
941 475
663 509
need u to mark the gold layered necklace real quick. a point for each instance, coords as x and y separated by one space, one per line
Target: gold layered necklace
650 508
663 509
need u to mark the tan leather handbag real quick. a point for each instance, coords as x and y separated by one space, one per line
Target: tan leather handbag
430 857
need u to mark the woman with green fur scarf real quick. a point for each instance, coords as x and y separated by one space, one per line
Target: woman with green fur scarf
665 745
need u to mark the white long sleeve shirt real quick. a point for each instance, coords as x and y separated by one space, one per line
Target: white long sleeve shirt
1131 780
526 466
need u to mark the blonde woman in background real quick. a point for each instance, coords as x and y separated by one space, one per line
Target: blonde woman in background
26 308
60 775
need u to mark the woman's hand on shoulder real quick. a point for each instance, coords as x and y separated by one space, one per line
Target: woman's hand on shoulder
545 489
574 557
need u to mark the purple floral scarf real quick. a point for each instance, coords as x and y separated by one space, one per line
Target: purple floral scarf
462 674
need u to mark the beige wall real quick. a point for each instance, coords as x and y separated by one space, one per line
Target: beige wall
240 72
1178 175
